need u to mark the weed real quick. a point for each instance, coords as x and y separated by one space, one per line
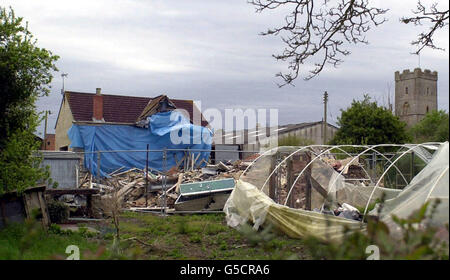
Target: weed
195 238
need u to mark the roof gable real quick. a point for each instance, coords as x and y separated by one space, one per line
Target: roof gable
118 108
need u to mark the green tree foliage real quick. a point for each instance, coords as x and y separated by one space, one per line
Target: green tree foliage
432 128
25 75
367 123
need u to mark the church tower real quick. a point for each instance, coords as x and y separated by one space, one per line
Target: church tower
415 94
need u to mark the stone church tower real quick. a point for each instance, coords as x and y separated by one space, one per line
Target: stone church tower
415 94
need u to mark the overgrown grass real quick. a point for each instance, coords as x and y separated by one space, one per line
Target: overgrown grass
30 241
148 236
204 237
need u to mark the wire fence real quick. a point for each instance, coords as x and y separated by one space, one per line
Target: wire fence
375 161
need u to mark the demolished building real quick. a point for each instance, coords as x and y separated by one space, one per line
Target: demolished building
97 123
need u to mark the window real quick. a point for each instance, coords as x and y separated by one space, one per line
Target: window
406 90
405 108
428 92
428 109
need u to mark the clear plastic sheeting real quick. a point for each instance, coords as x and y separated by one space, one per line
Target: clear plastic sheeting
430 184
340 191
299 190
247 203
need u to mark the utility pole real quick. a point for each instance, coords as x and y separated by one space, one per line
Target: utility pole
325 123
45 129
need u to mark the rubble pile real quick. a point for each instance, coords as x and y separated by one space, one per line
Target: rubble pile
354 170
130 185
156 190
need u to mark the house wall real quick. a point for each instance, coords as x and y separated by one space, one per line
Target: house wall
65 120
312 133
48 143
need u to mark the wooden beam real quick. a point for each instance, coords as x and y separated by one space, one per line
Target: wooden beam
272 181
72 191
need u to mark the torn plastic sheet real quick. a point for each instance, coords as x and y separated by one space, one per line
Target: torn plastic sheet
248 204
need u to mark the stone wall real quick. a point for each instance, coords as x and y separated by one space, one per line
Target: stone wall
415 94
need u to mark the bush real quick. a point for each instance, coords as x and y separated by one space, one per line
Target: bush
414 242
58 211
432 128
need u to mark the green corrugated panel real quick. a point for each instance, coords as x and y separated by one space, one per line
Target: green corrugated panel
207 186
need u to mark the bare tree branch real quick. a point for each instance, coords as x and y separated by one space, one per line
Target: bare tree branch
437 18
323 31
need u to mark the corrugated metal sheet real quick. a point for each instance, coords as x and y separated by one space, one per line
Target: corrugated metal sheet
64 168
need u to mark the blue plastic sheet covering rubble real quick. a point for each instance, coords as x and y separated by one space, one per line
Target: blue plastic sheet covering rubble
170 130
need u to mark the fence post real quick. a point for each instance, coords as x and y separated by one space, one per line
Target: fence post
308 191
146 178
290 177
374 166
98 166
164 180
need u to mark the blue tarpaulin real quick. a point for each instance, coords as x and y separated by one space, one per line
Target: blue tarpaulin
170 130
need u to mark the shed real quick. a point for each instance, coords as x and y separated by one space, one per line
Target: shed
15 208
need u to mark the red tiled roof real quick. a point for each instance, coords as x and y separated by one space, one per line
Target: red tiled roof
118 108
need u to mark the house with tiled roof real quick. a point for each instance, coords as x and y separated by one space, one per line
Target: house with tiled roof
99 109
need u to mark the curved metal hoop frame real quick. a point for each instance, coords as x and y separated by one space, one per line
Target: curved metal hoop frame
328 148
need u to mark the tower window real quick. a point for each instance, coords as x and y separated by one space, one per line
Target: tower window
406 90
428 109
405 108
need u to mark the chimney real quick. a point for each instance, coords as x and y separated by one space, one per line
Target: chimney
98 106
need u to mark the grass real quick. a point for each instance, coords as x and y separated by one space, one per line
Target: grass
204 237
148 236
29 241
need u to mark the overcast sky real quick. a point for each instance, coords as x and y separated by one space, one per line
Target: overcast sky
210 51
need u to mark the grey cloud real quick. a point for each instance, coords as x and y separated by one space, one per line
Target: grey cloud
228 64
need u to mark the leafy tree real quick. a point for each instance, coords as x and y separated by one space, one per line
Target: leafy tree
367 123
432 128
25 75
